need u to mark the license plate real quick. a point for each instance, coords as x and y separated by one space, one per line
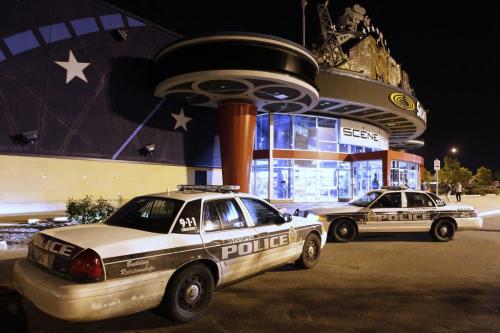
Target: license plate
43 258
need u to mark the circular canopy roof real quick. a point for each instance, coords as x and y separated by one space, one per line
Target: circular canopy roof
348 95
273 73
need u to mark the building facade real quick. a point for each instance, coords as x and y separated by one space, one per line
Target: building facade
80 114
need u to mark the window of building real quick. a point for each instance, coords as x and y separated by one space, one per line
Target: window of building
304 131
282 179
283 131
327 134
344 148
367 176
262 132
259 178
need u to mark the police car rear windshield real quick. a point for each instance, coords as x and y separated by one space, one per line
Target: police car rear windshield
437 199
147 213
366 199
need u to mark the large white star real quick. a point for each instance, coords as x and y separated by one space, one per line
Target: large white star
73 68
181 120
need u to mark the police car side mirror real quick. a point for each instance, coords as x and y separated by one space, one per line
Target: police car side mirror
287 218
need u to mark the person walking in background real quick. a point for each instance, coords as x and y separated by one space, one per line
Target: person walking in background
458 191
448 191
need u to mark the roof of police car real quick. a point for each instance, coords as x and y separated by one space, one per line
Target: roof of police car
197 194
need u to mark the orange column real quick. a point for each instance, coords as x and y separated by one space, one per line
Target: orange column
237 121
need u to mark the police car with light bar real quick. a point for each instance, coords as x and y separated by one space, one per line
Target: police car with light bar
168 250
395 209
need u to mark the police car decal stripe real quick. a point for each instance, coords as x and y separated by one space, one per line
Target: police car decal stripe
170 259
152 253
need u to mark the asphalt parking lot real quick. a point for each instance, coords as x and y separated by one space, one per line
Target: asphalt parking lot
375 284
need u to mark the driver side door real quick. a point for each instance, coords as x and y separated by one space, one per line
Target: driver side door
277 243
383 214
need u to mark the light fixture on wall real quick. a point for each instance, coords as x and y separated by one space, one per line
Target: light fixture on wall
25 137
147 149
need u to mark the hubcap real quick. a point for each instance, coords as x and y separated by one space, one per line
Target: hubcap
192 293
343 231
311 251
443 230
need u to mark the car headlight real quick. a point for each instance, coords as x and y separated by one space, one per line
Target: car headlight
314 217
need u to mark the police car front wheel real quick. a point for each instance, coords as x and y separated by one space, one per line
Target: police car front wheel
310 252
188 293
343 231
443 230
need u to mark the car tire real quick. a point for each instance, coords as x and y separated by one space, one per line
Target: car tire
443 230
188 294
343 231
310 252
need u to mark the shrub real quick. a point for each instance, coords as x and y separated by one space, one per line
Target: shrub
88 211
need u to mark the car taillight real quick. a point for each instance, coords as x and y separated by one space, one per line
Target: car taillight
86 267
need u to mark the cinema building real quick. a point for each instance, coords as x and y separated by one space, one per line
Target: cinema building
97 101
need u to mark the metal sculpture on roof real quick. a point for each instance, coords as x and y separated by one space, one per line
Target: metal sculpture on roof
369 57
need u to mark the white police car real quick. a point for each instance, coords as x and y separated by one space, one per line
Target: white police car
169 250
397 210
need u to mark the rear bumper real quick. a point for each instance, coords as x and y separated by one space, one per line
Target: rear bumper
470 223
91 301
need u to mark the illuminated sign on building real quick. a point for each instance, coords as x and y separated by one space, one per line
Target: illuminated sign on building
406 103
421 113
359 134
402 101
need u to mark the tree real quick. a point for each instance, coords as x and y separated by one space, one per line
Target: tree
497 174
428 177
484 176
453 173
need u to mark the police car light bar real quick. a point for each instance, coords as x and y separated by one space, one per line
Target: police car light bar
395 188
209 188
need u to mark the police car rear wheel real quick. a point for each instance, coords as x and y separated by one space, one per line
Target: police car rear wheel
443 230
343 231
188 294
310 252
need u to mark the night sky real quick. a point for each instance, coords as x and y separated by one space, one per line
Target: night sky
451 53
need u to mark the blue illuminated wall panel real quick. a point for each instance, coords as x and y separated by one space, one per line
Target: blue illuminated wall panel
85 26
54 32
110 22
21 42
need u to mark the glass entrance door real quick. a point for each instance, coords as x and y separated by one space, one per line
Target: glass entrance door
305 181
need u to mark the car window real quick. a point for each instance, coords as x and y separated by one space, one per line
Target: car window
211 217
188 221
229 213
148 214
437 199
388 200
427 201
366 199
414 200
261 213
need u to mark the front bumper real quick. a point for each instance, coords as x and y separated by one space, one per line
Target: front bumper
88 301
470 223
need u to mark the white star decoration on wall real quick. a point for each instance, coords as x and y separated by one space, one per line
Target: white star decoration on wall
181 120
73 68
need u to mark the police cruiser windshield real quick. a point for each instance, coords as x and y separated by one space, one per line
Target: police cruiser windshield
366 199
147 213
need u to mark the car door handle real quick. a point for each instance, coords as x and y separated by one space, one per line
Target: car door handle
215 242
400 212
263 234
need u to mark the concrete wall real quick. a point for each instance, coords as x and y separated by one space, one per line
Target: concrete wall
41 184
